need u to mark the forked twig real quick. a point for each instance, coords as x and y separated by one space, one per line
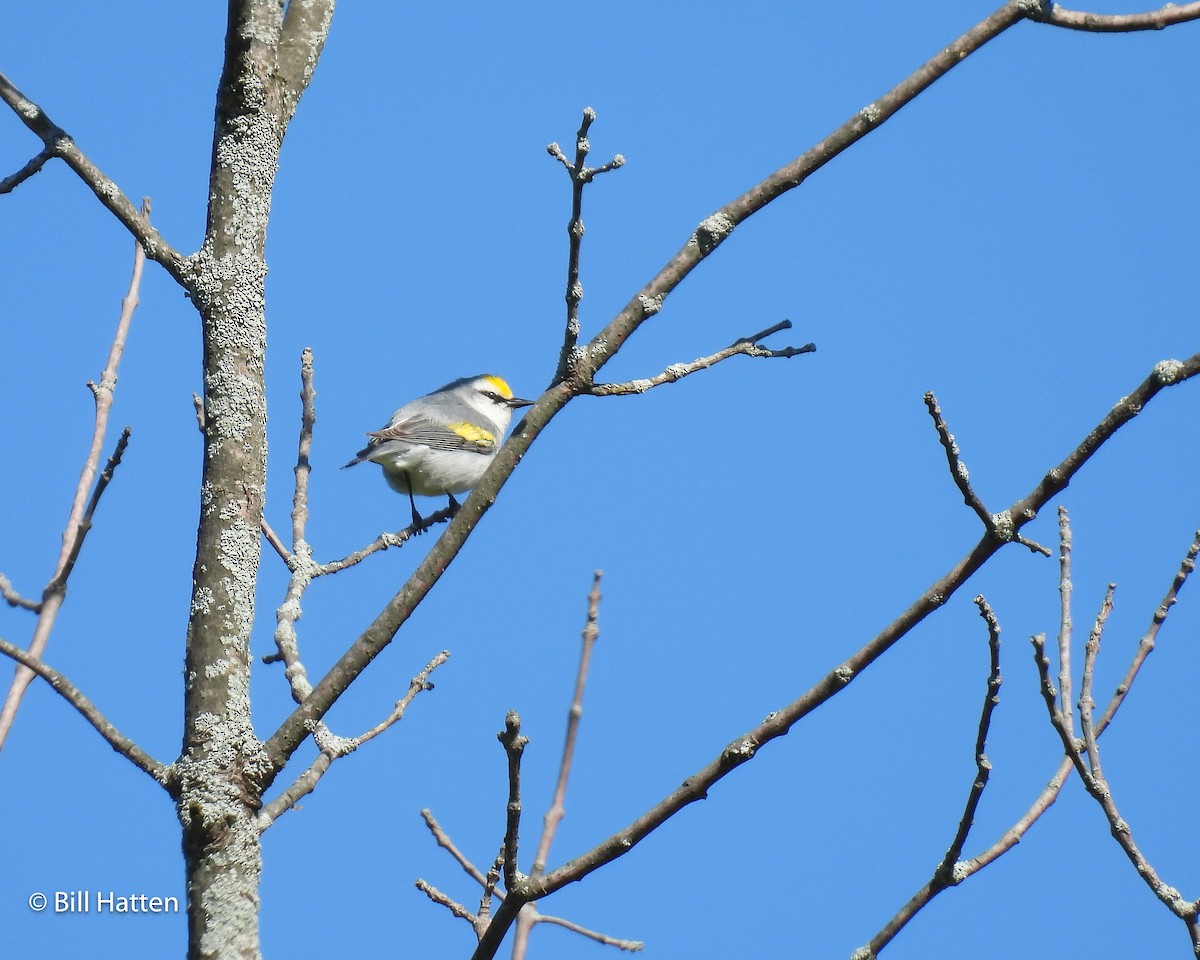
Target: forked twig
83 506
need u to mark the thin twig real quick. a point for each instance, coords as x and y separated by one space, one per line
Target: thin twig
83 506
308 419
1087 703
746 346
629 946
697 786
963 869
273 539
14 599
489 891
1099 789
958 469
1066 625
456 908
1167 15
1050 792
294 729
950 871
557 810
91 713
443 840
59 143
1146 644
334 748
580 176
514 746
983 766
998 525
554 815
10 183
384 541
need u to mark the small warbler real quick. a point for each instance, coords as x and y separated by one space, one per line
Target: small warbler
442 443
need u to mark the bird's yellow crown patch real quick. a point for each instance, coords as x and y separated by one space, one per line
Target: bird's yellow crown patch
500 386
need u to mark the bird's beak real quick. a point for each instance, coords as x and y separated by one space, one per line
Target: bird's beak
518 402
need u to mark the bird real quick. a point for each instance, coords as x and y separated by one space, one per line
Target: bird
443 442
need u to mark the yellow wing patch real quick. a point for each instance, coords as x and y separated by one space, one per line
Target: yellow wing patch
472 433
500 386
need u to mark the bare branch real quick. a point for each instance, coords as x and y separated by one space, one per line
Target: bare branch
15 599
301 40
59 582
514 746
308 420
708 235
382 542
10 183
83 506
1050 792
962 869
962 479
591 632
1087 703
1095 785
949 873
983 767
1084 754
1065 624
91 713
746 346
1166 16
59 143
580 176
334 748
489 891
958 469
456 908
715 229
274 540
1146 644
630 946
777 724
444 841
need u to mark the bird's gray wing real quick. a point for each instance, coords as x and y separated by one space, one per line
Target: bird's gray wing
439 436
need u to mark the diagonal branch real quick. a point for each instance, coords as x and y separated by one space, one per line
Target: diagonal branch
746 346
58 143
554 816
715 229
79 521
602 348
964 869
1167 15
1097 787
997 526
334 748
1084 753
91 713
778 723
710 233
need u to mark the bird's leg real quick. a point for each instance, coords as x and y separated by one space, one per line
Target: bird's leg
417 521
452 506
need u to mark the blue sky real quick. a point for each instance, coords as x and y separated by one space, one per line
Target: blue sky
1021 240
